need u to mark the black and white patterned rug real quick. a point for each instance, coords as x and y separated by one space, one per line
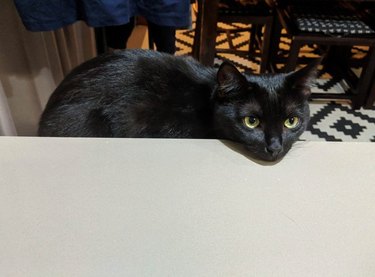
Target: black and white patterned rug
330 120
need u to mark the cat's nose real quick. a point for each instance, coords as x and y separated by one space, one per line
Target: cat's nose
274 147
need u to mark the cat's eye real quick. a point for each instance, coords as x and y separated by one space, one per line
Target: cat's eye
291 122
251 122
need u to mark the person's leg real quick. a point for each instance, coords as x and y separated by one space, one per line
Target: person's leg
117 36
164 37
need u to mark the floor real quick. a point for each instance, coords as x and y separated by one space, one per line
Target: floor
330 120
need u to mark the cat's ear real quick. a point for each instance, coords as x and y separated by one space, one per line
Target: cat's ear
230 80
302 79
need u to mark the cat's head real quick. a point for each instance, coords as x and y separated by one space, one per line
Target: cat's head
266 113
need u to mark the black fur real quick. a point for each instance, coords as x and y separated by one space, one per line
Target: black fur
141 93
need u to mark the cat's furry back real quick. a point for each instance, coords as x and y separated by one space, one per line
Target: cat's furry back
134 93
141 93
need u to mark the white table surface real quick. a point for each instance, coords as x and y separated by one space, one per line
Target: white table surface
143 207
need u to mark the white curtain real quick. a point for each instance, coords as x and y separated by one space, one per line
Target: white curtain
32 64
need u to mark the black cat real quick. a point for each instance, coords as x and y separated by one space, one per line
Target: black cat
142 93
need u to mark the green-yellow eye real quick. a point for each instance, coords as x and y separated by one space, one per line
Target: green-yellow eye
251 122
291 122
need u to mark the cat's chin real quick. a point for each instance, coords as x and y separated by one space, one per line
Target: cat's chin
264 155
268 158
254 154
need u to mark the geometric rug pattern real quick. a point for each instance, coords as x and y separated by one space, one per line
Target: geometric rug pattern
335 121
330 120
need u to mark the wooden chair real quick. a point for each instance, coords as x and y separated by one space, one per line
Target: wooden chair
259 16
335 29
369 7
371 98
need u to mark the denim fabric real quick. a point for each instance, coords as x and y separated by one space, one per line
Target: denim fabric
41 15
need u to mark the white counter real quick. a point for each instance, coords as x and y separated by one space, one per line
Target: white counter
143 207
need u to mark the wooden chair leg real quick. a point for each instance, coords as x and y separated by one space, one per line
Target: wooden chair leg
371 99
150 42
292 61
274 46
252 42
264 64
207 31
365 81
229 39
197 32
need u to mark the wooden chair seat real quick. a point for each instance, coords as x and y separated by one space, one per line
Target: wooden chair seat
336 29
334 22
